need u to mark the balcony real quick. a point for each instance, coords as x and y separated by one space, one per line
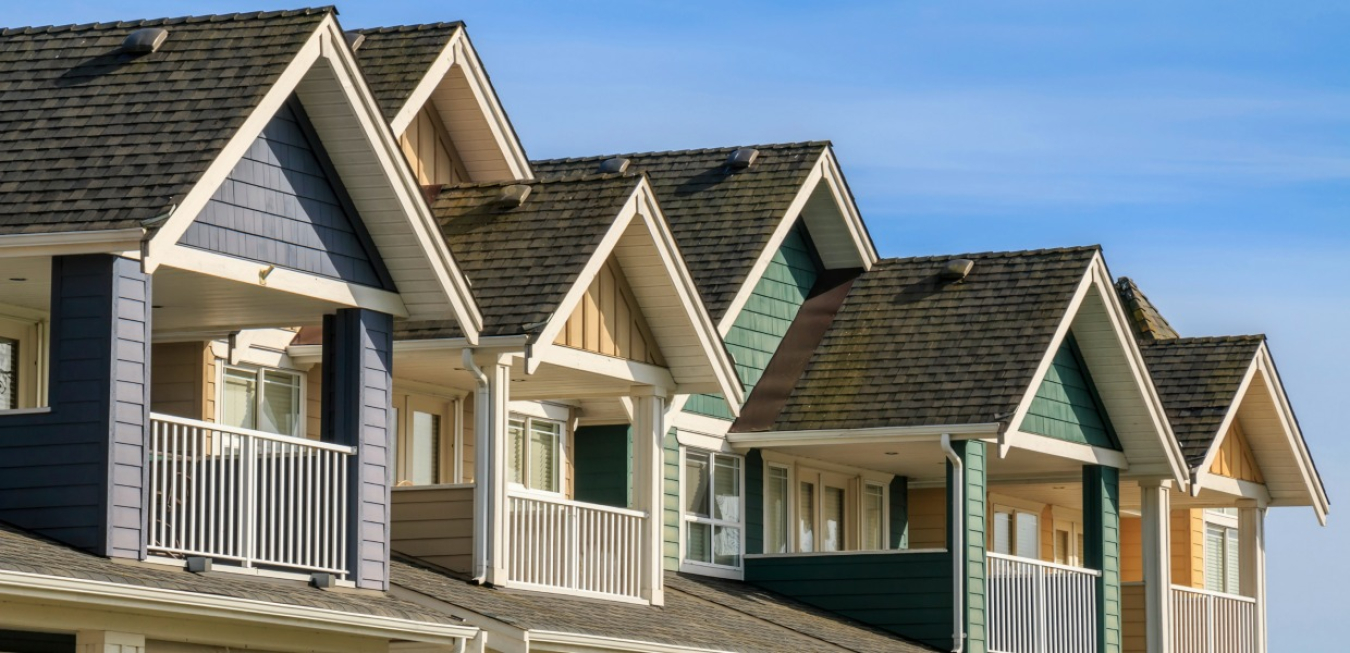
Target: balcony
1212 622
1041 607
249 497
583 548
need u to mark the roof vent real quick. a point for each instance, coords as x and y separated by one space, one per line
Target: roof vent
955 270
511 197
145 40
742 158
617 164
354 40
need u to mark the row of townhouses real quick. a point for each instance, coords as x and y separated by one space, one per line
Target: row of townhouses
299 351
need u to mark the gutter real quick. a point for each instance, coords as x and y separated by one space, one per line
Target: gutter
119 241
482 459
958 545
608 643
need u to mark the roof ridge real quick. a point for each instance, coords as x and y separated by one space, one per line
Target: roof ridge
176 20
701 150
993 254
1197 340
546 180
415 27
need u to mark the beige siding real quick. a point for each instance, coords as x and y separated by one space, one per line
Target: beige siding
210 375
429 151
178 384
1235 459
314 402
928 518
607 321
1131 550
435 524
1133 621
468 439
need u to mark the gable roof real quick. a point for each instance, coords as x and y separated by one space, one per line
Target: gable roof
395 59
1198 380
699 614
722 218
1149 324
94 139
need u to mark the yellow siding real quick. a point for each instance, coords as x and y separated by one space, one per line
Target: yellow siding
1133 619
1131 550
178 384
1188 549
1234 458
607 321
1047 524
928 518
429 152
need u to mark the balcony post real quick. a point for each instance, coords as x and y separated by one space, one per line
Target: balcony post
1101 535
1156 504
491 422
106 641
1252 554
649 430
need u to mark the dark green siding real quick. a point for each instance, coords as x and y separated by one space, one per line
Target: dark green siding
973 459
899 536
909 594
603 455
761 324
754 502
671 485
1066 406
1101 534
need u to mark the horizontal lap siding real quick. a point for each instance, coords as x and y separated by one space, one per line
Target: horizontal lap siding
435 525
909 594
1066 406
670 488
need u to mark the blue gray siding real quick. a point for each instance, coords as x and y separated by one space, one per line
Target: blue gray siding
284 205
76 473
357 402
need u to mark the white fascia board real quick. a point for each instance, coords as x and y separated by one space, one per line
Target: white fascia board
120 242
459 50
1234 487
834 176
175 602
1083 453
580 643
321 46
619 368
1227 423
693 422
885 434
310 354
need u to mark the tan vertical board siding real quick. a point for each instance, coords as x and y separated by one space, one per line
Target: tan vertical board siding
928 518
1131 550
1235 459
434 524
178 379
314 402
608 321
1133 620
427 146
209 380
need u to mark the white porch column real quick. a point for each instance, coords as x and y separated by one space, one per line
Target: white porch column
649 432
1156 503
1252 555
491 416
106 641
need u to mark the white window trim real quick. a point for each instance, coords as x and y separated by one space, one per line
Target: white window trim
32 366
790 520
564 431
709 568
885 514
301 419
1014 510
1228 523
858 478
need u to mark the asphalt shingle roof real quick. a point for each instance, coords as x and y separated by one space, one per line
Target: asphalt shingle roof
521 262
1149 324
95 139
395 59
722 219
25 552
698 612
907 349
1198 380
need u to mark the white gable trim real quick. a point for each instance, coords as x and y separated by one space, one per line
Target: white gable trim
1099 279
827 176
641 206
430 283
459 51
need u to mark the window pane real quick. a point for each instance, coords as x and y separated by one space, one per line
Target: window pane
696 484
240 399
698 542
873 539
727 488
1231 552
1214 557
832 519
776 512
281 403
9 374
1028 532
1003 533
545 438
727 546
515 431
426 448
806 517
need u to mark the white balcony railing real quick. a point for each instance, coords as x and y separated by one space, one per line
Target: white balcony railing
556 544
247 496
1211 622
1041 607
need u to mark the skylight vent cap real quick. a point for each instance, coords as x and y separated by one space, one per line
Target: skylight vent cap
145 40
354 40
742 158
511 197
955 270
616 165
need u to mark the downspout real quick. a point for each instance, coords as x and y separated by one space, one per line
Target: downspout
482 458
958 545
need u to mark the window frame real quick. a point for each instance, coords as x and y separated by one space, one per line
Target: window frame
449 466
698 566
31 337
1228 523
560 451
852 479
300 424
1012 510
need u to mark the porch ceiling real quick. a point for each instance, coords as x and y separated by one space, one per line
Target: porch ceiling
26 282
445 368
190 302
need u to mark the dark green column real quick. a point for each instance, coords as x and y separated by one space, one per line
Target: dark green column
1101 543
973 520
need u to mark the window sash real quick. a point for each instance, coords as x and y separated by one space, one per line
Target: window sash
713 494
777 513
535 450
263 399
873 517
9 373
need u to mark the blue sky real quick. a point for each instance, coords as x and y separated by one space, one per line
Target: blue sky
1205 144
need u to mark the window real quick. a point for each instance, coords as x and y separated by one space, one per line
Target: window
23 351
535 453
811 510
712 508
261 399
1016 532
1068 542
777 522
874 519
1222 552
424 449
9 373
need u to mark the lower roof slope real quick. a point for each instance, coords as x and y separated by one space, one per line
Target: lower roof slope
721 218
699 612
1198 380
92 138
907 348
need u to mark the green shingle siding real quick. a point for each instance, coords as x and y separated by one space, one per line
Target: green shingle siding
1066 406
972 454
765 319
603 460
1101 535
670 548
754 502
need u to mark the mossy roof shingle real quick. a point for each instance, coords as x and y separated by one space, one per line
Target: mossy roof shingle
1198 380
395 59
